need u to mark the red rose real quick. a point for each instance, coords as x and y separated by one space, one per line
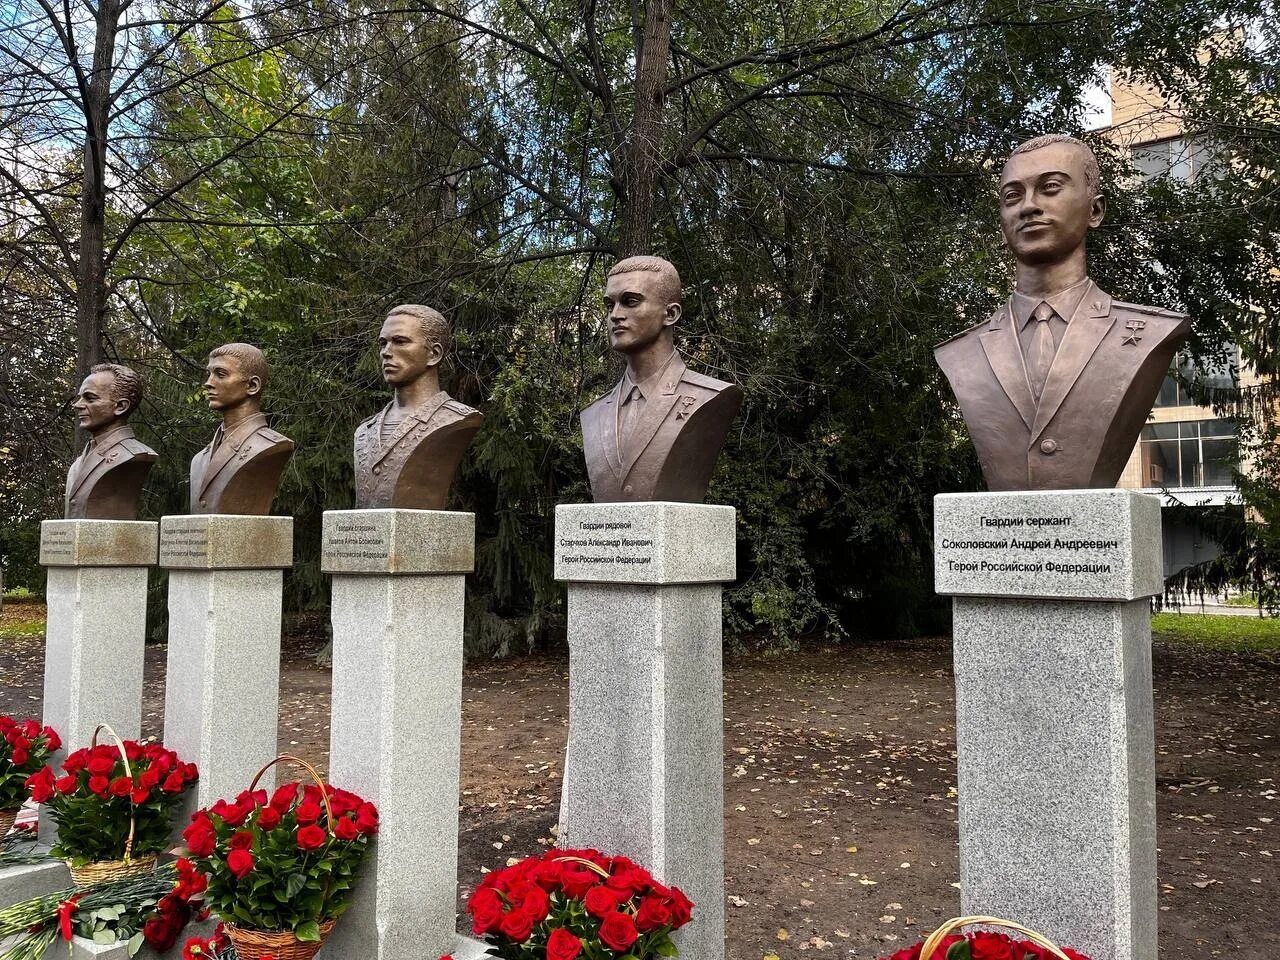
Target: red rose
161 932
577 880
140 796
122 786
51 739
367 818
681 908
310 837
239 862
232 814
76 762
173 783
20 756
149 779
308 812
346 829
101 766
283 798
41 784
913 953
600 902
67 784
200 838
653 914
485 907
536 904
242 840
547 874
618 932
562 945
268 818
988 945
517 925
99 785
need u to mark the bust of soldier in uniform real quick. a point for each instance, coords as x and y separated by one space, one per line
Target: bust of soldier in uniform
657 434
240 469
1056 385
105 480
408 454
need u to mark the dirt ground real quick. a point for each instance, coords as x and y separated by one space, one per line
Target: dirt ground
840 807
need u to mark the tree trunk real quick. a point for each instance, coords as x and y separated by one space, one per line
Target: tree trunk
644 151
91 287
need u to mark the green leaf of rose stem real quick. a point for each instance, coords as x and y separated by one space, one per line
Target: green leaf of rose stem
308 932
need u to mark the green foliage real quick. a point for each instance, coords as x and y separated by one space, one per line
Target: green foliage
1213 632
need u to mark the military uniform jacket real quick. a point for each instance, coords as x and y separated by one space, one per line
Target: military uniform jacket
416 466
105 480
674 445
242 474
1105 376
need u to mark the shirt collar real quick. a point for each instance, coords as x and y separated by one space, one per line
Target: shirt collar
649 385
111 437
1064 302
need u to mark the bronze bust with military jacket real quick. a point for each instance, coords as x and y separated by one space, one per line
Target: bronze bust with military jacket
239 471
408 453
1056 385
104 482
656 435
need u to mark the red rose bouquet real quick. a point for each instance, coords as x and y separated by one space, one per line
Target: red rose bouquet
25 747
113 801
571 902
282 868
943 944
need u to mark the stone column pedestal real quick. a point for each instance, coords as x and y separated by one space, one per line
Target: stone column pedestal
96 629
395 733
644 767
1054 724
222 692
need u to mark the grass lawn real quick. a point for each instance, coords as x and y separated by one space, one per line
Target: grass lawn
1218 633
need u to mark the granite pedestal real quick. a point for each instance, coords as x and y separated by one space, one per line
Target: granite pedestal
1054 726
644 766
222 691
96 593
396 723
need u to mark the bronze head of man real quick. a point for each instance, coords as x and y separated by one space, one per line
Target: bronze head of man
239 471
106 479
657 434
408 454
1056 385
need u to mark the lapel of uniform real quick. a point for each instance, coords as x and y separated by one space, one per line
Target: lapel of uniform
605 427
420 415
81 469
232 440
1004 353
656 409
1090 324
95 454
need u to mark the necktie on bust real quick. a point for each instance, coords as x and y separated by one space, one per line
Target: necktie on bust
630 413
1040 357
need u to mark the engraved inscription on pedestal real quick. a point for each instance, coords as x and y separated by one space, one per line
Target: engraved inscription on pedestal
1070 544
98 543
393 541
606 543
183 540
356 539
56 544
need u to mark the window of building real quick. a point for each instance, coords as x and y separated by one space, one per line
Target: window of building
1173 391
1188 453
1178 157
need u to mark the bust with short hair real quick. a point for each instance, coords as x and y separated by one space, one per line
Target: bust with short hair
239 471
408 453
105 481
656 435
1056 385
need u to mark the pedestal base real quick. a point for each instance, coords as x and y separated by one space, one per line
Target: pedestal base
644 767
395 731
1054 728
221 704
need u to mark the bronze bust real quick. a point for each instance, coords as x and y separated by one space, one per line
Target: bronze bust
1056 385
105 480
657 434
240 469
408 453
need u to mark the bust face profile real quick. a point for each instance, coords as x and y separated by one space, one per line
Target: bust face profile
1049 201
643 305
105 481
1056 385
239 471
407 455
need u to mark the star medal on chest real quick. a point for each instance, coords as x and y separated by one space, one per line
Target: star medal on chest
1135 327
686 407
